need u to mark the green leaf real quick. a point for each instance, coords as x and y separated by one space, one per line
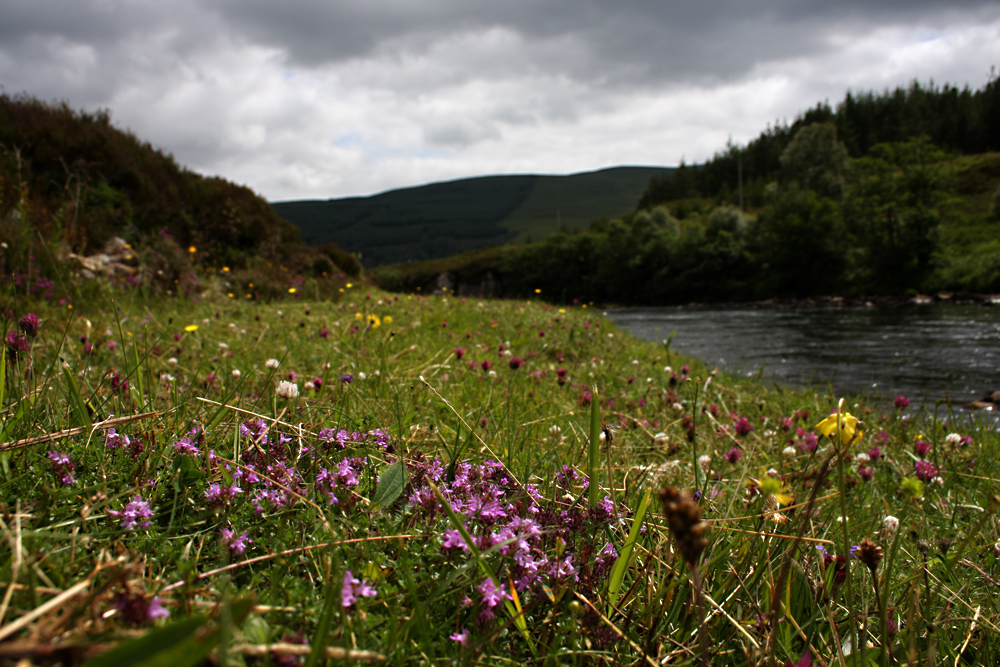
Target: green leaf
621 563
391 483
138 650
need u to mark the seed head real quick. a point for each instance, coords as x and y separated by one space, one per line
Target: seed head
684 519
869 553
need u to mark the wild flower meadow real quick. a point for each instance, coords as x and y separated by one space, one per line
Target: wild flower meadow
440 480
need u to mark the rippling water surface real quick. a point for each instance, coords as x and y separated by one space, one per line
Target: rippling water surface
928 351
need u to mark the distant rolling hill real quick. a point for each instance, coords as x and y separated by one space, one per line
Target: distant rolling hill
444 219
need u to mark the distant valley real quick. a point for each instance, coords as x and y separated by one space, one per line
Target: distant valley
445 219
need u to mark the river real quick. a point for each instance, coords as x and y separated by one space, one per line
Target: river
925 352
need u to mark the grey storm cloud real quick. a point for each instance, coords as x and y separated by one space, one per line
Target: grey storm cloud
635 40
339 97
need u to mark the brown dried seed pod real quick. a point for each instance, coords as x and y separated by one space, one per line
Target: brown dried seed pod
684 518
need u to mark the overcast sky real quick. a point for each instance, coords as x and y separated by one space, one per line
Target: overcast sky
331 98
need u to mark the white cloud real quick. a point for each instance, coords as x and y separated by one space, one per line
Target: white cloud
354 97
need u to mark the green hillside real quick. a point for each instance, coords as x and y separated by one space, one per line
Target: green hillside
71 182
576 200
444 219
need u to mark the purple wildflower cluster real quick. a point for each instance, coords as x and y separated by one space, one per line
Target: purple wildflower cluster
341 439
237 543
121 442
344 477
136 514
537 543
924 470
62 467
188 445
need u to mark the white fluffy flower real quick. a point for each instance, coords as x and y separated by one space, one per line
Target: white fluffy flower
555 430
789 452
953 439
272 363
705 461
890 525
361 375
236 373
287 390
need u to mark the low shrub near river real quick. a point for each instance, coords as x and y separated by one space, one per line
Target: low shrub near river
436 480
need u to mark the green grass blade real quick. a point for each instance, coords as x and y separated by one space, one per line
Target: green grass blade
75 399
593 461
621 563
322 635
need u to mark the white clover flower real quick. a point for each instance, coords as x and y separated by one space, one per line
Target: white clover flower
172 361
272 363
377 373
890 525
661 439
236 373
705 461
953 439
789 452
635 362
938 480
678 407
361 375
223 346
167 377
287 390
862 458
668 369
309 386
555 430
493 374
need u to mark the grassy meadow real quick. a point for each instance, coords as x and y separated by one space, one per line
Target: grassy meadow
434 480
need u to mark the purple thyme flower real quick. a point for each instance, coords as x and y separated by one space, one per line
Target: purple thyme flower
237 543
136 513
156 609
62 467
492 596
352 588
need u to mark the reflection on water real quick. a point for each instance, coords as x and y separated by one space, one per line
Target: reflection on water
933 351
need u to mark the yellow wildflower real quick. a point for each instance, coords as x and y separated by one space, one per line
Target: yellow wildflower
848 427
192 249
772 487
191 327
387 319
292 290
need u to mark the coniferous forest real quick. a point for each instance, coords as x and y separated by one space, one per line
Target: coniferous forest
889 193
